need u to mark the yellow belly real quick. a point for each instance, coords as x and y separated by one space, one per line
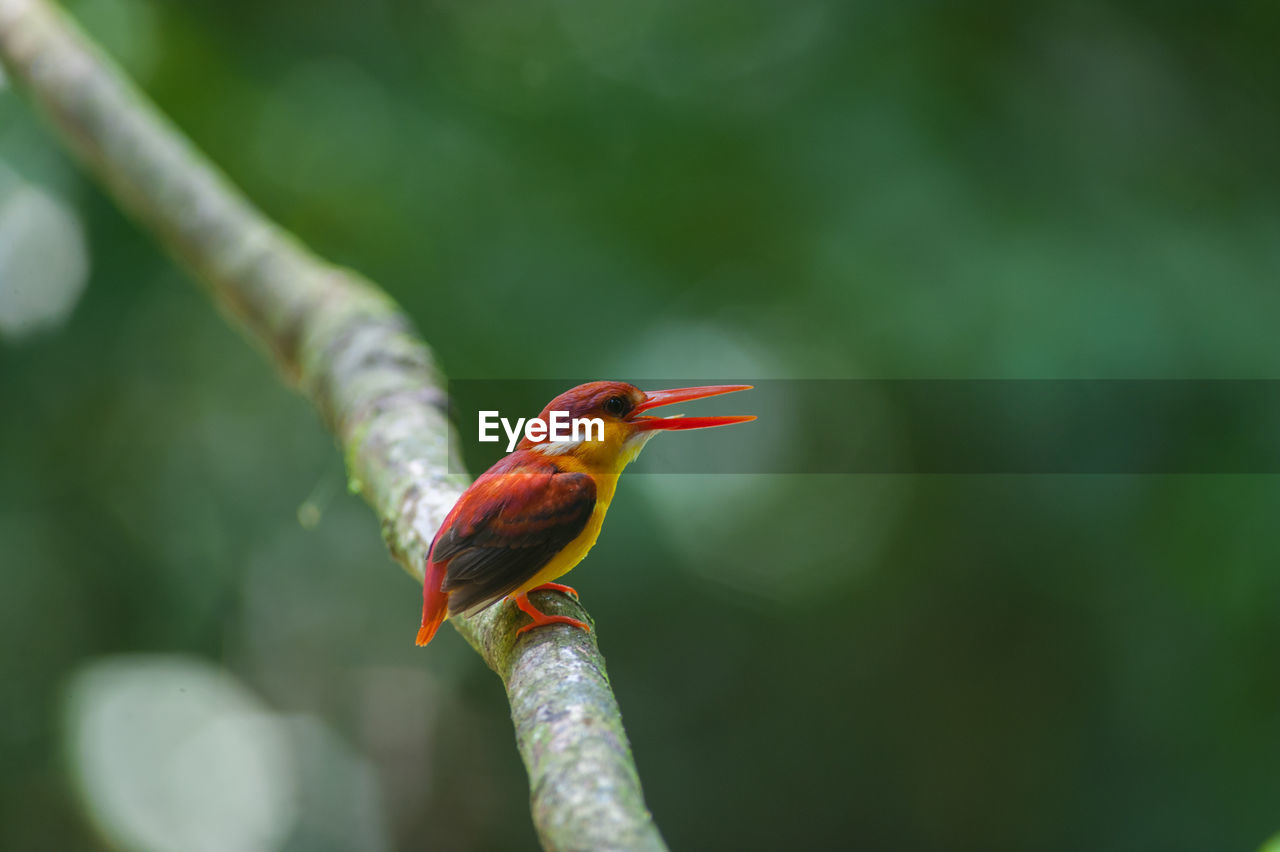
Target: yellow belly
576 550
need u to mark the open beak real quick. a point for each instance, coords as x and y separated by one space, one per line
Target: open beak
654 399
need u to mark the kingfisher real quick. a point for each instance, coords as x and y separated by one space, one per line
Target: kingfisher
536 513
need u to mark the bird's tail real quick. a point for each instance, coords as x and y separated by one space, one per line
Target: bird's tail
435 603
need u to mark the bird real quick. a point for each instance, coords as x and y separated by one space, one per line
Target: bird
535 514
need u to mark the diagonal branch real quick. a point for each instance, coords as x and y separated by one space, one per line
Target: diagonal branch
349 348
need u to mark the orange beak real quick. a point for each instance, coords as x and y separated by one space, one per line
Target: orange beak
655 399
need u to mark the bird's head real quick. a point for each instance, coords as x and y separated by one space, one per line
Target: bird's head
620 408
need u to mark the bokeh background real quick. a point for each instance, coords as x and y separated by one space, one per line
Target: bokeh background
205 646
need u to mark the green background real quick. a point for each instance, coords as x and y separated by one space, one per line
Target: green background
685 189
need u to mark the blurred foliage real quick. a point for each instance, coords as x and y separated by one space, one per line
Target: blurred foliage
809 189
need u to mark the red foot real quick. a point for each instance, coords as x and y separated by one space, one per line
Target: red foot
556 587
541 618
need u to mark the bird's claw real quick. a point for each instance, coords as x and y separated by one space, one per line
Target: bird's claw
540 618
555 619
557 587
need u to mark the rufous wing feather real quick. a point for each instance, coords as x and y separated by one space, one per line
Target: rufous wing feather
505 528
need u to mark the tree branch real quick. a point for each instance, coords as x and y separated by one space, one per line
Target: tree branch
349 348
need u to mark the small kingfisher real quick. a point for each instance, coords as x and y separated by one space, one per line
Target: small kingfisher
535 514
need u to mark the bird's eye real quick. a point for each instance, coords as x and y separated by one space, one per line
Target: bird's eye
617 406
